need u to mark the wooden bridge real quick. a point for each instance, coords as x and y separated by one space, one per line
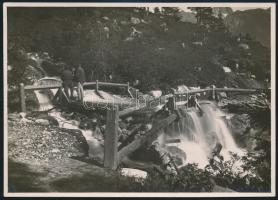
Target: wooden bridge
54 83
134 99
113 156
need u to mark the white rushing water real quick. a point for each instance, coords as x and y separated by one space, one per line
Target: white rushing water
199 133
95 147
44 100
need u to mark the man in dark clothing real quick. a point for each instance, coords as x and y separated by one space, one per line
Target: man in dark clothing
80 75
193 102
74 79
67 79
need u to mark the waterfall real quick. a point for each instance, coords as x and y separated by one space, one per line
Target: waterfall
95 148
199 134
44 96
44 100
45 103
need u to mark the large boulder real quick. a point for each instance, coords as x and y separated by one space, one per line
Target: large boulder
43 122
155 93
135 20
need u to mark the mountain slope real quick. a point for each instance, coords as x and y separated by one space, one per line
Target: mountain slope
131 44
254 22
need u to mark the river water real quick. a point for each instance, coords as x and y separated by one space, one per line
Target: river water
198 133
201 132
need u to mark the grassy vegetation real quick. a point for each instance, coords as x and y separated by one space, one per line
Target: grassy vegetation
23 179
163 53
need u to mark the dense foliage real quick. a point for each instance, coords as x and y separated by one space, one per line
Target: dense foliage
189 179
248 173
133 43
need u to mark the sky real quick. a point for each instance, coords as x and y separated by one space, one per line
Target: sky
233 8
244 8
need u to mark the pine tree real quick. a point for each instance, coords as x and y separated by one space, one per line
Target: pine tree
172 11
204 15
156 10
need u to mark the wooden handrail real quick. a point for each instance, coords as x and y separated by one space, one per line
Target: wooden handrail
89 83
235 90
40 87
107 84
130 110
219 90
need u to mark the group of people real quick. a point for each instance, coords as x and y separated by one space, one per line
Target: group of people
71 78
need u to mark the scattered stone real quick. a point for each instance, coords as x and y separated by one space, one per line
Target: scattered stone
55 151
134 173
145 22
244 46
106 29
135 20
124 22
155 93
128 39
198 43
105 18
22 114
222 94
33 143
44 122
135 32
24 121
227 69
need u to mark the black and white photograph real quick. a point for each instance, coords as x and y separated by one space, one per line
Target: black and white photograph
139 99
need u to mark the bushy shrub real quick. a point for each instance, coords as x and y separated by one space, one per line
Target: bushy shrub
188 179
248 173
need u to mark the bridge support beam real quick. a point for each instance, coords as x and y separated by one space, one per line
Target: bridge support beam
111 139
97 85
22 97
213 93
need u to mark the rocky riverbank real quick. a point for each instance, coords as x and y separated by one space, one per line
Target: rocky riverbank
50 158
40 142
43 158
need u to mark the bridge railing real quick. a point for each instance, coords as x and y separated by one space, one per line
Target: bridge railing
219 90
41 84
133 92
99 83
112 157
58 85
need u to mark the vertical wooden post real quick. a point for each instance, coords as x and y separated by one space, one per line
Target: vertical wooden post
97 85
22 98
111 139
80 92
137 98
213 92
127 86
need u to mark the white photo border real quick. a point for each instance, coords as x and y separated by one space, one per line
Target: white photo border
272 6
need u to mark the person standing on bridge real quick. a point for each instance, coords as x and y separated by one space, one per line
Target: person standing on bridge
67 79
193 102
80 75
